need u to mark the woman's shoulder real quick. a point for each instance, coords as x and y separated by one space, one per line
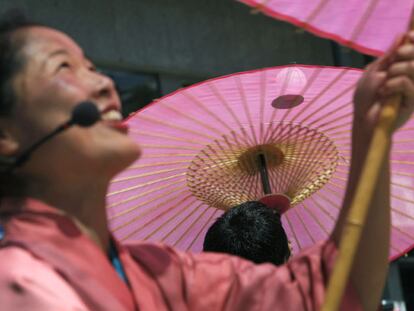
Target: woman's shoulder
28 281
16 261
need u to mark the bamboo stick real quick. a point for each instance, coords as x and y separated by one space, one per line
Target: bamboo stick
357 214
358 211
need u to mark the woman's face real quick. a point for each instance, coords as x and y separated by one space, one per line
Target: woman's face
57 76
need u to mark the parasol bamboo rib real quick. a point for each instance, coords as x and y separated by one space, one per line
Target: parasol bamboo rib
358 211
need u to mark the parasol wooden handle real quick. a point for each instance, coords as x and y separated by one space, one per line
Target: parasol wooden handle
358 211
357 214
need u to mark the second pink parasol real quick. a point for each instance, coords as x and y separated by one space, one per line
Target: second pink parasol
368 26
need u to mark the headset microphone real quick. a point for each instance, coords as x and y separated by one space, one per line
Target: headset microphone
85 114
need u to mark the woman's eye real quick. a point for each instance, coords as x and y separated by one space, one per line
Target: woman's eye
64 65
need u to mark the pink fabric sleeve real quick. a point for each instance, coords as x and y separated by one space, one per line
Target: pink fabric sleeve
211 281
27 283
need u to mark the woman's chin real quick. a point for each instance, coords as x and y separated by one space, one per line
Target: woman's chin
124 159
133 155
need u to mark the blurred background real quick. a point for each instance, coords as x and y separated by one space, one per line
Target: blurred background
154 47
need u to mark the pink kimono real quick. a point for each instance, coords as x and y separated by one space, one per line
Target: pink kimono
48 264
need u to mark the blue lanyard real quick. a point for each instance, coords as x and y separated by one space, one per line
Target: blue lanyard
116 263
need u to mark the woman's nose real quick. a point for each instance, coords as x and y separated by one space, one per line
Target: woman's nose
104 87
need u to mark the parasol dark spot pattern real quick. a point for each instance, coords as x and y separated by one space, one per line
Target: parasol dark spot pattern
287 101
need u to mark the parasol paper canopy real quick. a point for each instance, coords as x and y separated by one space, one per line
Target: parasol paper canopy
369 27
200 146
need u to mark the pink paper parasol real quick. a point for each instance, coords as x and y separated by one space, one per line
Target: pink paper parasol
200 146
366 26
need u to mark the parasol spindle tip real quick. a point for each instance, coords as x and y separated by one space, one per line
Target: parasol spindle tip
264 174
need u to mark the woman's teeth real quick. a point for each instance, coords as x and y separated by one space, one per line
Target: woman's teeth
112 115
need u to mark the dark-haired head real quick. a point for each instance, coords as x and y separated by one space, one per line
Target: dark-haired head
250 230
44 75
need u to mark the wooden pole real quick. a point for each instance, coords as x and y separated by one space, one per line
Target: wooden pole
357 214
358 211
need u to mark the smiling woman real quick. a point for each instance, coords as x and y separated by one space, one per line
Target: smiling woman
49 77
57 252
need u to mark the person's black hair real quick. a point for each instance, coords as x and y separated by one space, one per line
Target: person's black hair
250 230
11 61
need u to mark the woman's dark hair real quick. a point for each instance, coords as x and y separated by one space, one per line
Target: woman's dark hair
11 61
250 230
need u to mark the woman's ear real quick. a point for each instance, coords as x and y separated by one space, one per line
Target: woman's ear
8 148
8 144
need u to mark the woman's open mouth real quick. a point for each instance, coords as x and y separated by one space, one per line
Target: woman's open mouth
113 119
